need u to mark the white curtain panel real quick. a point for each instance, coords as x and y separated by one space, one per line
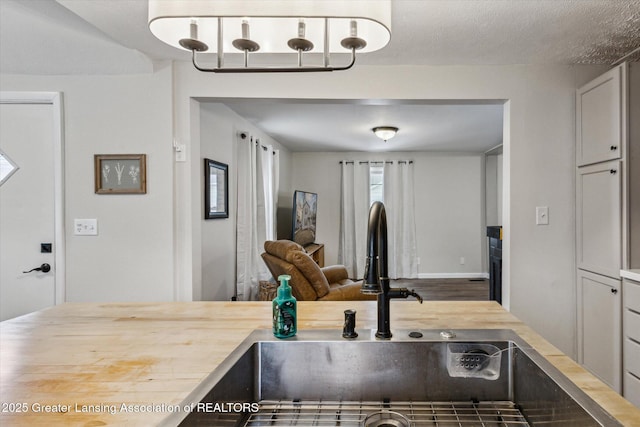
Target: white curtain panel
354 216
255 215
267 185
401 224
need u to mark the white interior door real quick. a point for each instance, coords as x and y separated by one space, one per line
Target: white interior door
29 199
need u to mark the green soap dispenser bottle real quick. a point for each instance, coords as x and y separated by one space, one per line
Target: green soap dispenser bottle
285 316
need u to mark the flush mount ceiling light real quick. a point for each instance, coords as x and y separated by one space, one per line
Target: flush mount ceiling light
288 29
385 132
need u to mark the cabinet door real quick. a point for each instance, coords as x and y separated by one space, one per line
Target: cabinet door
631 340
599 327
598 218
600 130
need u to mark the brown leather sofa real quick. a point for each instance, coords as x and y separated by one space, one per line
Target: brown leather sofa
308 281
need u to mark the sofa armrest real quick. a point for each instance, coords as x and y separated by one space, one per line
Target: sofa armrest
335 273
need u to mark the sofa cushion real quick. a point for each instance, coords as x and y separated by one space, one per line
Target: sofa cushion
300 286
335 273
281 248
347 291
310 270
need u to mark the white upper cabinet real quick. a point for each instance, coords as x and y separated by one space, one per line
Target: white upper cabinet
600 113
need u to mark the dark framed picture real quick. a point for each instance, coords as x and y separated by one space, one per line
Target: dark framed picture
216 189
305 211
120 173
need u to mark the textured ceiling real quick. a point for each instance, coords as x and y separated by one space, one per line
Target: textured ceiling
514 32
111 37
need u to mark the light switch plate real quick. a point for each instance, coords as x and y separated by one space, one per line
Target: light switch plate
85 227
181 153
542 215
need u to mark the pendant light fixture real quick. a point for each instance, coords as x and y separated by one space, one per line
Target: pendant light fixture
303 34
385 133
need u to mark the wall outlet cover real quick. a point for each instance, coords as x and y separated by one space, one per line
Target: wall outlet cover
85 227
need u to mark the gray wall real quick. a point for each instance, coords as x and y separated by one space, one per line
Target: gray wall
132 257
539 153
493 179
634 165
219 127
448 202
133 114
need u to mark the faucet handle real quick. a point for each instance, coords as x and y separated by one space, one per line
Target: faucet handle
403 293
416 295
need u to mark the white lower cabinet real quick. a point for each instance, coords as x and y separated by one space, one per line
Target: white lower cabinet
631 341
599 327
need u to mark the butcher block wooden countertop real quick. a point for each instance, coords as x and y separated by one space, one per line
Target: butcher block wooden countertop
96 364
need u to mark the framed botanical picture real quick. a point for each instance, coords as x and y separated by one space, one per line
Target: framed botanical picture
216 190
120 173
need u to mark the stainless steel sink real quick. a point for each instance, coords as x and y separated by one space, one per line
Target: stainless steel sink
475 378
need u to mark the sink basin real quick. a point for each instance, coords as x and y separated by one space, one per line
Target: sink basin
473 378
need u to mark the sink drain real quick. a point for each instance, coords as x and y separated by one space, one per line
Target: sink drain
386 419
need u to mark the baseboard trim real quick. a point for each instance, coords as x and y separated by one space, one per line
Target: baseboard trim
453 275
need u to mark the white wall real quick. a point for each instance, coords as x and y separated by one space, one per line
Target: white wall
538 157
493 197
219 127
132 257
634 165
448 203
493 180
132 114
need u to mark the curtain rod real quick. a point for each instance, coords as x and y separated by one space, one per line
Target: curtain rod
245 135
265 148
350 162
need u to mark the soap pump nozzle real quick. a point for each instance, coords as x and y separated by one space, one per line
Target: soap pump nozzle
284 287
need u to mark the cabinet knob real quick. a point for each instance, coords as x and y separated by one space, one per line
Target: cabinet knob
614 291
614 147
613 171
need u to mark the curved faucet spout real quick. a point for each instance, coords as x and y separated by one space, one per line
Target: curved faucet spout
376 264
376 280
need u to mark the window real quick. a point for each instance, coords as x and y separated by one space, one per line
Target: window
376 184
7 167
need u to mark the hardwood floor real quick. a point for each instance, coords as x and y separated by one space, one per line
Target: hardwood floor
447 289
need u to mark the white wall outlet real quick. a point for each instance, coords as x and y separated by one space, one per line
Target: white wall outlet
542 215
85 227
461 260
418 260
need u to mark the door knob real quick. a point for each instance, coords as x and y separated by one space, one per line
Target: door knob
614 291
45 268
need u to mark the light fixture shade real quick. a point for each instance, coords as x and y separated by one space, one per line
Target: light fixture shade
170 21
385 133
